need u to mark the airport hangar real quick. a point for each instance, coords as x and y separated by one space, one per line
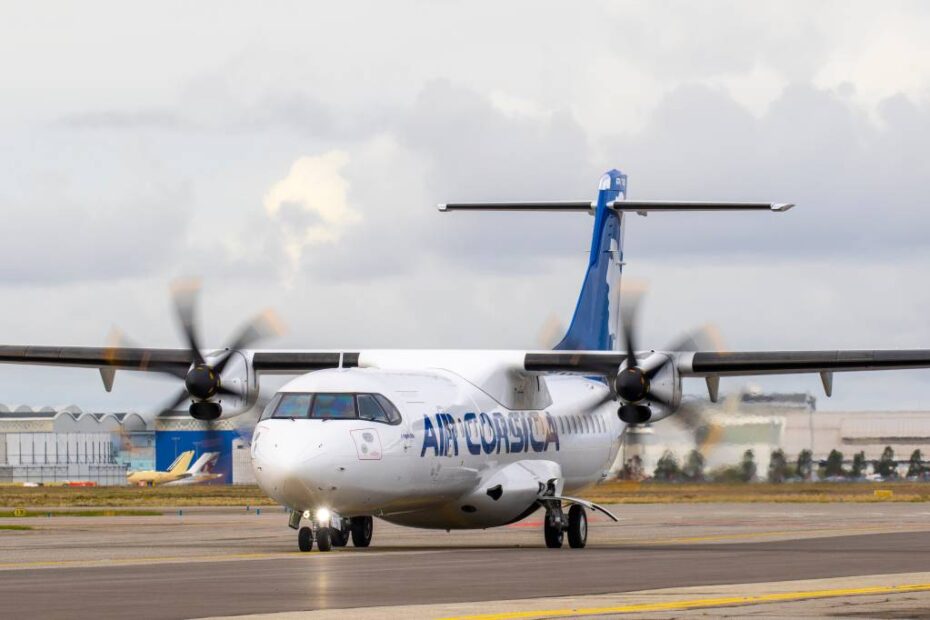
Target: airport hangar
56 445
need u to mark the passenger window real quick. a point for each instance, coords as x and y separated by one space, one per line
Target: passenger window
334 407
293 406
369 409
392 413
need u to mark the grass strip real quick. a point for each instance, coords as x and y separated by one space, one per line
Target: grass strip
22 513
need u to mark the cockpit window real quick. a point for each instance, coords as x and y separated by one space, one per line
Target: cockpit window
293 406
369 409
270 407
334 406
392 413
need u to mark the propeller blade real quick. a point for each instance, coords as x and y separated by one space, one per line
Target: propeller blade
706 432
117 340
174 403
659 400
550 332
632 296
265 325
185 294
707 337
222 389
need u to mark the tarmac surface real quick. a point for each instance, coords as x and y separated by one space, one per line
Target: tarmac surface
665 560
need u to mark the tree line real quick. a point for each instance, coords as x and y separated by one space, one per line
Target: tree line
780 469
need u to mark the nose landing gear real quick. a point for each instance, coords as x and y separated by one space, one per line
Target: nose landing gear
555 525
334 533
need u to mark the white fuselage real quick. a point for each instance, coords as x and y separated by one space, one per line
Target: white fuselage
460 457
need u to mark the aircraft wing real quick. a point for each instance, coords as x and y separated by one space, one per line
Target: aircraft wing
123 358
739 363
174 361
711 365
735 363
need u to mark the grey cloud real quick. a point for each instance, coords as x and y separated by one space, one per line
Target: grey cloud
696 40
60 235
853 181
465 149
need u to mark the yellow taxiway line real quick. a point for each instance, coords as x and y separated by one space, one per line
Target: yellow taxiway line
809 533
700 603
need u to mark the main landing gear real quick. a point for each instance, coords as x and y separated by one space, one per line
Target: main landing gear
555 526
336 533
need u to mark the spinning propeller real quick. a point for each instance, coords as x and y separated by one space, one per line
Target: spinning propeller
203 382
633 385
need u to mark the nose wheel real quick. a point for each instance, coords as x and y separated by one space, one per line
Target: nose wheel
577 527
305 539
555 526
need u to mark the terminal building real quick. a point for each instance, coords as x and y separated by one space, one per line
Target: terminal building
67 445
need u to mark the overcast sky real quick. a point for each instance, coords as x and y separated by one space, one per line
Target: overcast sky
291 154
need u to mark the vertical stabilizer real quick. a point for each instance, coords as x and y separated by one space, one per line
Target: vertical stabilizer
596 322
181 463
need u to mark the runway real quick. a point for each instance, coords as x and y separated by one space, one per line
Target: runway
232 562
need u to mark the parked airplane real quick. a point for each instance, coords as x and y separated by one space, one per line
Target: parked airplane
200 472
457 439
175 471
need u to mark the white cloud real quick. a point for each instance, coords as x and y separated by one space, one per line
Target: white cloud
311 203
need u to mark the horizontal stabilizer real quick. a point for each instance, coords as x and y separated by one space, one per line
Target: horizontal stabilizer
637 206
645 206
585 205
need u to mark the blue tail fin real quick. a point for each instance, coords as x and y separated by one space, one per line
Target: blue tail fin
595 325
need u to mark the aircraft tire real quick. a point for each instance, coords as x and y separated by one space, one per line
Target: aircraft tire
553 535
305 539
362 529
577 527
324 539
340 536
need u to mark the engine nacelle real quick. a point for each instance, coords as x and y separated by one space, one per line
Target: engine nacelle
237 377
665 385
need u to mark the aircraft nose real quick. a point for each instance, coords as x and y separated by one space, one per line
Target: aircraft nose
287 464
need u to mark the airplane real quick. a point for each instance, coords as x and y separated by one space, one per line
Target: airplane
200 472
175 471
450 439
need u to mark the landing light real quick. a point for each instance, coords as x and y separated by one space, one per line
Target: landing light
306 514
323 515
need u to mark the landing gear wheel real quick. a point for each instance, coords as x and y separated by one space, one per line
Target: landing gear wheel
553 533
341 536
577 527
305 539
324 539
362 528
